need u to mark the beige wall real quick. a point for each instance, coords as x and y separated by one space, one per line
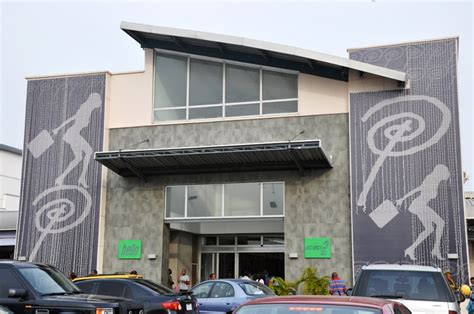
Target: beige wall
318 95
369 83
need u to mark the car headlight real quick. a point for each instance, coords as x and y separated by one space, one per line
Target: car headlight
104 311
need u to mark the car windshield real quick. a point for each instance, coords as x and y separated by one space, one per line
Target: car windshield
402 284
305 309
251 288
154 286
46 280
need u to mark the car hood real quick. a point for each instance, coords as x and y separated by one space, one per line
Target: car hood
96 300
422 307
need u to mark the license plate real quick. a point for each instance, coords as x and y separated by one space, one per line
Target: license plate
189 307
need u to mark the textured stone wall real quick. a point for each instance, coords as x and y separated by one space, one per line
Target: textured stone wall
316 204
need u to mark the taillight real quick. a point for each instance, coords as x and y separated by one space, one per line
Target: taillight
172 306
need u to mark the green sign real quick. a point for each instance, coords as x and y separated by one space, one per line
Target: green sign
130 249
317 248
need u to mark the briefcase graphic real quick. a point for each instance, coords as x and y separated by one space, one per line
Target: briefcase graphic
384 213
40 143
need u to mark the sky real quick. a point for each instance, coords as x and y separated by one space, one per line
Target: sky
43 38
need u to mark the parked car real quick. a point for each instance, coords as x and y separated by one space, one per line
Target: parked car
37 288
155 297
323 305
423 289
225 295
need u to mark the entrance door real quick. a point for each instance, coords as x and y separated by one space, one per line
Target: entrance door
257 265
226 265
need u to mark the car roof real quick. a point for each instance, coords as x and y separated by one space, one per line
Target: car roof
401 267
20 264
108 276
232 280
319 299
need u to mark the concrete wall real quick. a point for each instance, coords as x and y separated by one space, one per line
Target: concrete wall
316 204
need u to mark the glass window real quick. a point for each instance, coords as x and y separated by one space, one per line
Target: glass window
249 240
110 288
86 286
277 85
205 82
279 107
222 290
274 240
242 84
202 290
207 112
169 115
226 240
175 201
204 200
170 81
210 241
273 199
8 281
242 110
242 199
251 288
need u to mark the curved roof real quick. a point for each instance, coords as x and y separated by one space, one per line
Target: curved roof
252 51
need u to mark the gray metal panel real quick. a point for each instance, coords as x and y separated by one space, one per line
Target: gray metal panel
60 186
406 164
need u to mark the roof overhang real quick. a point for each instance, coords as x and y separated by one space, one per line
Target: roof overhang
301 155
252 51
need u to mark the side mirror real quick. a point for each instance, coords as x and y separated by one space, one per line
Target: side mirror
17 293
349 292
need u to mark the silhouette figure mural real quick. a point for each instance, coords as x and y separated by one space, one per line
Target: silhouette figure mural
60 213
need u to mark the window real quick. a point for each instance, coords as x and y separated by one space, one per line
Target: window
86 286
8 282
222 290
189 88
111 288
202 290
225 200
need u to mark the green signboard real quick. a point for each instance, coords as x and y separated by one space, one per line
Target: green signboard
317 248
130 249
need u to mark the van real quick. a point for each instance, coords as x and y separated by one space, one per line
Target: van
422 289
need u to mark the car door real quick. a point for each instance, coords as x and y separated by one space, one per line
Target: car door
201 292
8 280
221 298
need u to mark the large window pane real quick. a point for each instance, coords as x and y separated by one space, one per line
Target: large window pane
205 82
242 199
278 85
207 112
273 199
279 107
241 84
170 81
204 200
242 110
169 115
175 197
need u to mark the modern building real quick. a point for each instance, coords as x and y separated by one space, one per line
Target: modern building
10 174
233 156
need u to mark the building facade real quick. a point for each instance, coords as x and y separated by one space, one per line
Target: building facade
233 156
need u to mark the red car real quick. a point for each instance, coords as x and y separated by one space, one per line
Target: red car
321 305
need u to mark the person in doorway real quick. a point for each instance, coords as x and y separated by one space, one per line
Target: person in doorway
93 273
245 275
183 281
133 272
170 278
212 276
337 286
72 275
472 284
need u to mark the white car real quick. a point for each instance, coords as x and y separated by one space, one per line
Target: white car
422 289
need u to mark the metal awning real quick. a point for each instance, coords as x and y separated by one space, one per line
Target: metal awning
7 238
301 155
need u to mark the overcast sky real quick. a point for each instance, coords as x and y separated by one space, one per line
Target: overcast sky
39 38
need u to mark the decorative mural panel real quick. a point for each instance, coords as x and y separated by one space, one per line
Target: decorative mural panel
406 182
60 192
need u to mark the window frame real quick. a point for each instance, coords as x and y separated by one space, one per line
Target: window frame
224 62
222 209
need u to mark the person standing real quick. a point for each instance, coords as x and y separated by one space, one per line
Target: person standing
170 278
183 281
212 276
337 286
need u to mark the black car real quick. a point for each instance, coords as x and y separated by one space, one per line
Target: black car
37 288
152 294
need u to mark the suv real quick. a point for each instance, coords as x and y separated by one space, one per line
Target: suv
155 297
37 288
423 289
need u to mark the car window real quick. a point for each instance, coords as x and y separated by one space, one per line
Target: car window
222 290
411 285
48 280
127 293
306 309
202 290
157 288
86 286
401 309
254 288
111 288
8 281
